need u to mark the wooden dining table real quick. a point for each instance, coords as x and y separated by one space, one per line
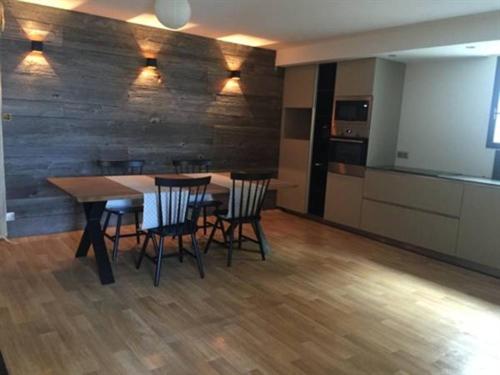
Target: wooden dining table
93 192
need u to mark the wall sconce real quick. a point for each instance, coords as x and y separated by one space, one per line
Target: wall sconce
235 74
151 63
36 46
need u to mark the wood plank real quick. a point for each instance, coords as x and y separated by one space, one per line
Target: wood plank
94 189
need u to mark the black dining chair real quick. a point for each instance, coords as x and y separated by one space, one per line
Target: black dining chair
247 196
199 166
178 208
121 207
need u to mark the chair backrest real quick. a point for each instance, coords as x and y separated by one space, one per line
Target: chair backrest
121 167
192 166
179 199
248 193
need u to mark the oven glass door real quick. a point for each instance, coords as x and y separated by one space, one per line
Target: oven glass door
348 150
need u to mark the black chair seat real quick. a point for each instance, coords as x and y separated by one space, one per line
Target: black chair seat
211 203
125 210
174 230
221 213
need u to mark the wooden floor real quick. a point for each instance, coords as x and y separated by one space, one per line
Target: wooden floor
325 302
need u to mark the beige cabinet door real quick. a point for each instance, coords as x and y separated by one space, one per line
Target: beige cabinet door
343 199
299 86
294 167
426 193
479 234
355 77
414 227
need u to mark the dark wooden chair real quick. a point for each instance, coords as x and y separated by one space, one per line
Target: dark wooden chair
247 196
121 207
199 166
179 205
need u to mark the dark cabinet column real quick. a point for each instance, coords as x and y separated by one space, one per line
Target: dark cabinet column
322 128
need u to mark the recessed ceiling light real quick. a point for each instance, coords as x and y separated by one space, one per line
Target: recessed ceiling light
470 47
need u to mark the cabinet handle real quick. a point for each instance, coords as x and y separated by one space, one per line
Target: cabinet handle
347 140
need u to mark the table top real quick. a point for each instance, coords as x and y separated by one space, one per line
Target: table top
102 188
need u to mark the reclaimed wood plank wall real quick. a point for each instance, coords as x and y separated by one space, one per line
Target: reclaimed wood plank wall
89 97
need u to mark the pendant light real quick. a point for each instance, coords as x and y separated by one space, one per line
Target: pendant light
173 14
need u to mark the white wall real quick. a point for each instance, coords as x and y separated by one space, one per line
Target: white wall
445 115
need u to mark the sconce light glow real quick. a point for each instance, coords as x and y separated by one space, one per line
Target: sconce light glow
235 74
37 46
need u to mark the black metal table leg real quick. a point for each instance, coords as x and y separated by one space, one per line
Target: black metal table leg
265 243
94 236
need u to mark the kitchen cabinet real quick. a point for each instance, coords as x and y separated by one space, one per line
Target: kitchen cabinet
295 145
355 78
414 191
383 81
343 199
299 86
419 228
294 167
479 234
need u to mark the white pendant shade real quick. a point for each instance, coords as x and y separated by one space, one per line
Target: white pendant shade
173 13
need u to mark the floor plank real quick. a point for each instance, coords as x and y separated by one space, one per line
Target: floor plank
325 302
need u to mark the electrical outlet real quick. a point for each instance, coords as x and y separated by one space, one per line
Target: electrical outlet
10 216
402 155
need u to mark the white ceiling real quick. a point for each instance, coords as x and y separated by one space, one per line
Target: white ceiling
478 49
283 23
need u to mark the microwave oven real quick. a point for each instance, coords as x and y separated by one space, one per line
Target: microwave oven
351 116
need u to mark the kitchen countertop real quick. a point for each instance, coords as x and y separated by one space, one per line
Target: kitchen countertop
439 174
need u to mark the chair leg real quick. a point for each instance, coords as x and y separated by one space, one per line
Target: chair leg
197 253
259 238
117 237
230 244
223 232
143 251
159 261
205 221
240 234
137 234
106 222
211 237
181 249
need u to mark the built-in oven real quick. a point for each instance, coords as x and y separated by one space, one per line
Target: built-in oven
347 155
351 116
